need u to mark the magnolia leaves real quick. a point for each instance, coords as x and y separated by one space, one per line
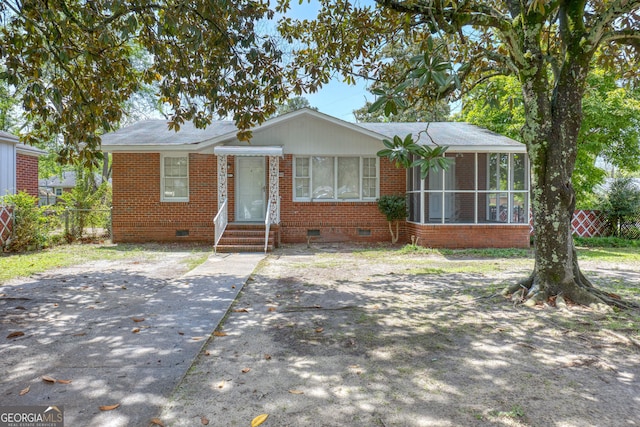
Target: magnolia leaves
405 153
109 407
417 77
259 420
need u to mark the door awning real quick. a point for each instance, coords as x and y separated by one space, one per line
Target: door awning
237 150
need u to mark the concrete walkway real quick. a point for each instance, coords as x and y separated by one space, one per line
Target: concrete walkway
130 348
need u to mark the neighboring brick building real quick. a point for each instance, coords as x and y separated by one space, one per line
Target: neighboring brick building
314 178
18 166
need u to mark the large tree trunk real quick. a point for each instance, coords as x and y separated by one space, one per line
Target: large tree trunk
551 132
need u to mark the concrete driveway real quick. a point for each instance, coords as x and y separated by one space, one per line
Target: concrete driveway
112 333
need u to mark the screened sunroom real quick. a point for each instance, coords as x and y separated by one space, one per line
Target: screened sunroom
476 188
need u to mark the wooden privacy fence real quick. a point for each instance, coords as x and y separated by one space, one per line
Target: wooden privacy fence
6 224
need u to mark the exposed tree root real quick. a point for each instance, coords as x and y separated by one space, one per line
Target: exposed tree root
533 291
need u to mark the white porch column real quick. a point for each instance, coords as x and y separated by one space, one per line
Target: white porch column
274 190
222 179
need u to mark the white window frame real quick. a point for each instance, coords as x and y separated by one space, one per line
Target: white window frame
335 179
163 196
510 192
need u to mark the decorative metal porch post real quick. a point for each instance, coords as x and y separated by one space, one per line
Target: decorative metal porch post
274 190
222 180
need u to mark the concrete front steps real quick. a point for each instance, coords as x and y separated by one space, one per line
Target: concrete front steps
246 237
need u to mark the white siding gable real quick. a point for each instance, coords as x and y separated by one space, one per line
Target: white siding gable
311 135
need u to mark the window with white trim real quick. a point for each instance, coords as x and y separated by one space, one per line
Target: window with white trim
335 178
175 178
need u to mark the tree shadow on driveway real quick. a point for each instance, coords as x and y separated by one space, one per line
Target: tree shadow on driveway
339 339
123 333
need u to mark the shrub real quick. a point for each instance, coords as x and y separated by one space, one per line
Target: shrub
30 228
394 208
620 202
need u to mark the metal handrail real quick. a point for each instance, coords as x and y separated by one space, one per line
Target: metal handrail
220 224
267 225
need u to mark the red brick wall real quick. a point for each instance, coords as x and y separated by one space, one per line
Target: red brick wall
470 236
337 221
140 216
27 174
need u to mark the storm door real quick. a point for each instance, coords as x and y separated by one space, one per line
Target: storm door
250 188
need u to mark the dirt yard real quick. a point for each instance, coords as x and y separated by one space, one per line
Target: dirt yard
329 336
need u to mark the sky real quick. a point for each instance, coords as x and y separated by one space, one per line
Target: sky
336 99
339 100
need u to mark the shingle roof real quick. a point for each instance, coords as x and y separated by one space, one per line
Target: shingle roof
443 133
157 132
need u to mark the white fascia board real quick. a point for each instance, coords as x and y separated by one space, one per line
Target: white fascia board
487 149
6 137
191 148
28 150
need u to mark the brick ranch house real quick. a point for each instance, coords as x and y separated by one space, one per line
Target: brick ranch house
310 176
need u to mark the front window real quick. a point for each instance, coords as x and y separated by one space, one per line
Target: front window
476 188
335 178
175 178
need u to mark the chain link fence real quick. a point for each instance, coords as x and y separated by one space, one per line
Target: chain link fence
627 228
86 224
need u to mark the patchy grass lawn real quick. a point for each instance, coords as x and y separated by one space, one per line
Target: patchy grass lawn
24 265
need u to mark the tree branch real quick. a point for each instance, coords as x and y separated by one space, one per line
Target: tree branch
630 37
616 9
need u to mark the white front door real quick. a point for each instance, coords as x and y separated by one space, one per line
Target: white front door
250 189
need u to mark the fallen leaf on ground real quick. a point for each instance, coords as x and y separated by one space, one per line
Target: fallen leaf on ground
64 381
272 309
318 330
219 334
156 422
240 310
245 370
15 334
138 319
48 379
296 391
24 391
204 421
259 420
135 331
109 407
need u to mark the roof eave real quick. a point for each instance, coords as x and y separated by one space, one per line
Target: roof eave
487 149
156 148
